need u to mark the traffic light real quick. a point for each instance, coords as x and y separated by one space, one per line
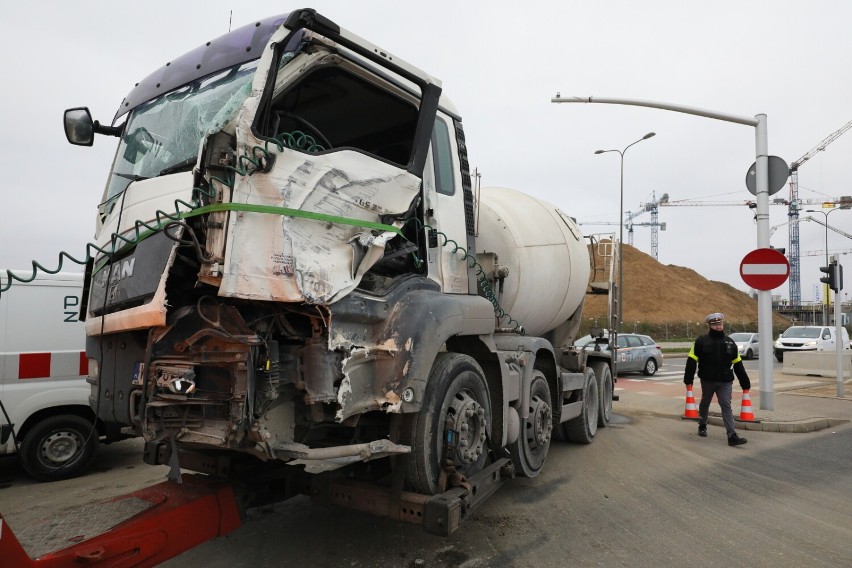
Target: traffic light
834 276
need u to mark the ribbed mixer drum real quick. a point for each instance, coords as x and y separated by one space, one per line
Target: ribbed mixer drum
545 253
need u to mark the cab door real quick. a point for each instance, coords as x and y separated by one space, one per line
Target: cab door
445 209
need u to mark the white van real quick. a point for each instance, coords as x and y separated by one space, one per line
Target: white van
809 338
44 396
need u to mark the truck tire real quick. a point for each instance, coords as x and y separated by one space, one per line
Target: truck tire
530 449
456 388
582 430
604 376
59 447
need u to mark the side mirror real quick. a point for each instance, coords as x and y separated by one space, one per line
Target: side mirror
79 126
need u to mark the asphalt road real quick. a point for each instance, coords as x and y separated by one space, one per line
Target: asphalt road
647 492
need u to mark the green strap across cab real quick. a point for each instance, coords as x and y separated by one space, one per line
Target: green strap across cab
268 209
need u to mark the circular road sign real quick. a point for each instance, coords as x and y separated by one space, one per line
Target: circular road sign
779 171
764 269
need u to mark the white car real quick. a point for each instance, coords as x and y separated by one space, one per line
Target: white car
809 338
747 343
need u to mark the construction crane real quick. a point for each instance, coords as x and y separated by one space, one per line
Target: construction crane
809 218
829 227
793 239
745 202
650 207
653 208
821 253
628 223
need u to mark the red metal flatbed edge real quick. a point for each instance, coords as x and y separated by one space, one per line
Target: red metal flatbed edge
181 517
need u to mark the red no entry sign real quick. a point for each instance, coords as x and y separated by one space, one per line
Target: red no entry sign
764 269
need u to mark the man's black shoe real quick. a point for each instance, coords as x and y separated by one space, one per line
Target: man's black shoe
702 430
736 440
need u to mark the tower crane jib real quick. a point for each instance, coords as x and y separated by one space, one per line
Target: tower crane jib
795 279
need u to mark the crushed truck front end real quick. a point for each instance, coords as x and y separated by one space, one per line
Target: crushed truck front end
267 288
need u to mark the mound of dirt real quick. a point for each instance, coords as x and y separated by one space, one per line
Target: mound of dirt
655 294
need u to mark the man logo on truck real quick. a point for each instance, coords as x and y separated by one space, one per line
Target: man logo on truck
122 270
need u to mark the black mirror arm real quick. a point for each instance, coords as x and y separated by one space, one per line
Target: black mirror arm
108 130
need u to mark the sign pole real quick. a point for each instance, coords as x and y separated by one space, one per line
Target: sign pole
764 297
838 334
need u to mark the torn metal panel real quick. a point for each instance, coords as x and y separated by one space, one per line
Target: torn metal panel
296 259
392 341
305 259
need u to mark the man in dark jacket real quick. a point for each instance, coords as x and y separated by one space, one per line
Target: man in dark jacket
714 354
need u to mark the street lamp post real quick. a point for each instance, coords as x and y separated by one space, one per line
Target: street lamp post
621 226
825 287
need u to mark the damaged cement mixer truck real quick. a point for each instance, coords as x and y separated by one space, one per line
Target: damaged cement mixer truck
294 284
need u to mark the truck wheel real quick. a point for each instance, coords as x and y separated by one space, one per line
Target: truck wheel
530 449
456 390
604 376
59 447
582 429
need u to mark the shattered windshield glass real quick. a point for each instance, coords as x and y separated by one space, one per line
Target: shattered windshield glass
163 135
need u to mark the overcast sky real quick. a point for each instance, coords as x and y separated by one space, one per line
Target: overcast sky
500 62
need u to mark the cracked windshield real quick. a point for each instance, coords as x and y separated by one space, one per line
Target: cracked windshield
163 135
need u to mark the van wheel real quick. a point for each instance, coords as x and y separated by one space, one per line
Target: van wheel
59 447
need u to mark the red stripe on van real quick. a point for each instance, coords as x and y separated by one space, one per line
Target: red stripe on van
84 364
34 365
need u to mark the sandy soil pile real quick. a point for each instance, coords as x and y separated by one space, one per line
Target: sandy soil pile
656 293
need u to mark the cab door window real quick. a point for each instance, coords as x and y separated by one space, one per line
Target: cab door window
445 183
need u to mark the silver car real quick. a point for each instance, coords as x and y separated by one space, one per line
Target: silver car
636 353
748 344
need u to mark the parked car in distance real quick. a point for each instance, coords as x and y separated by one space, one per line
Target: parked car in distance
809 338
636 353
747 343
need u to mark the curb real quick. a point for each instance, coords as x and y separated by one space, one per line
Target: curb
799 426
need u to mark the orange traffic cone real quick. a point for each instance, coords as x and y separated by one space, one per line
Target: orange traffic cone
691 412
746 414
